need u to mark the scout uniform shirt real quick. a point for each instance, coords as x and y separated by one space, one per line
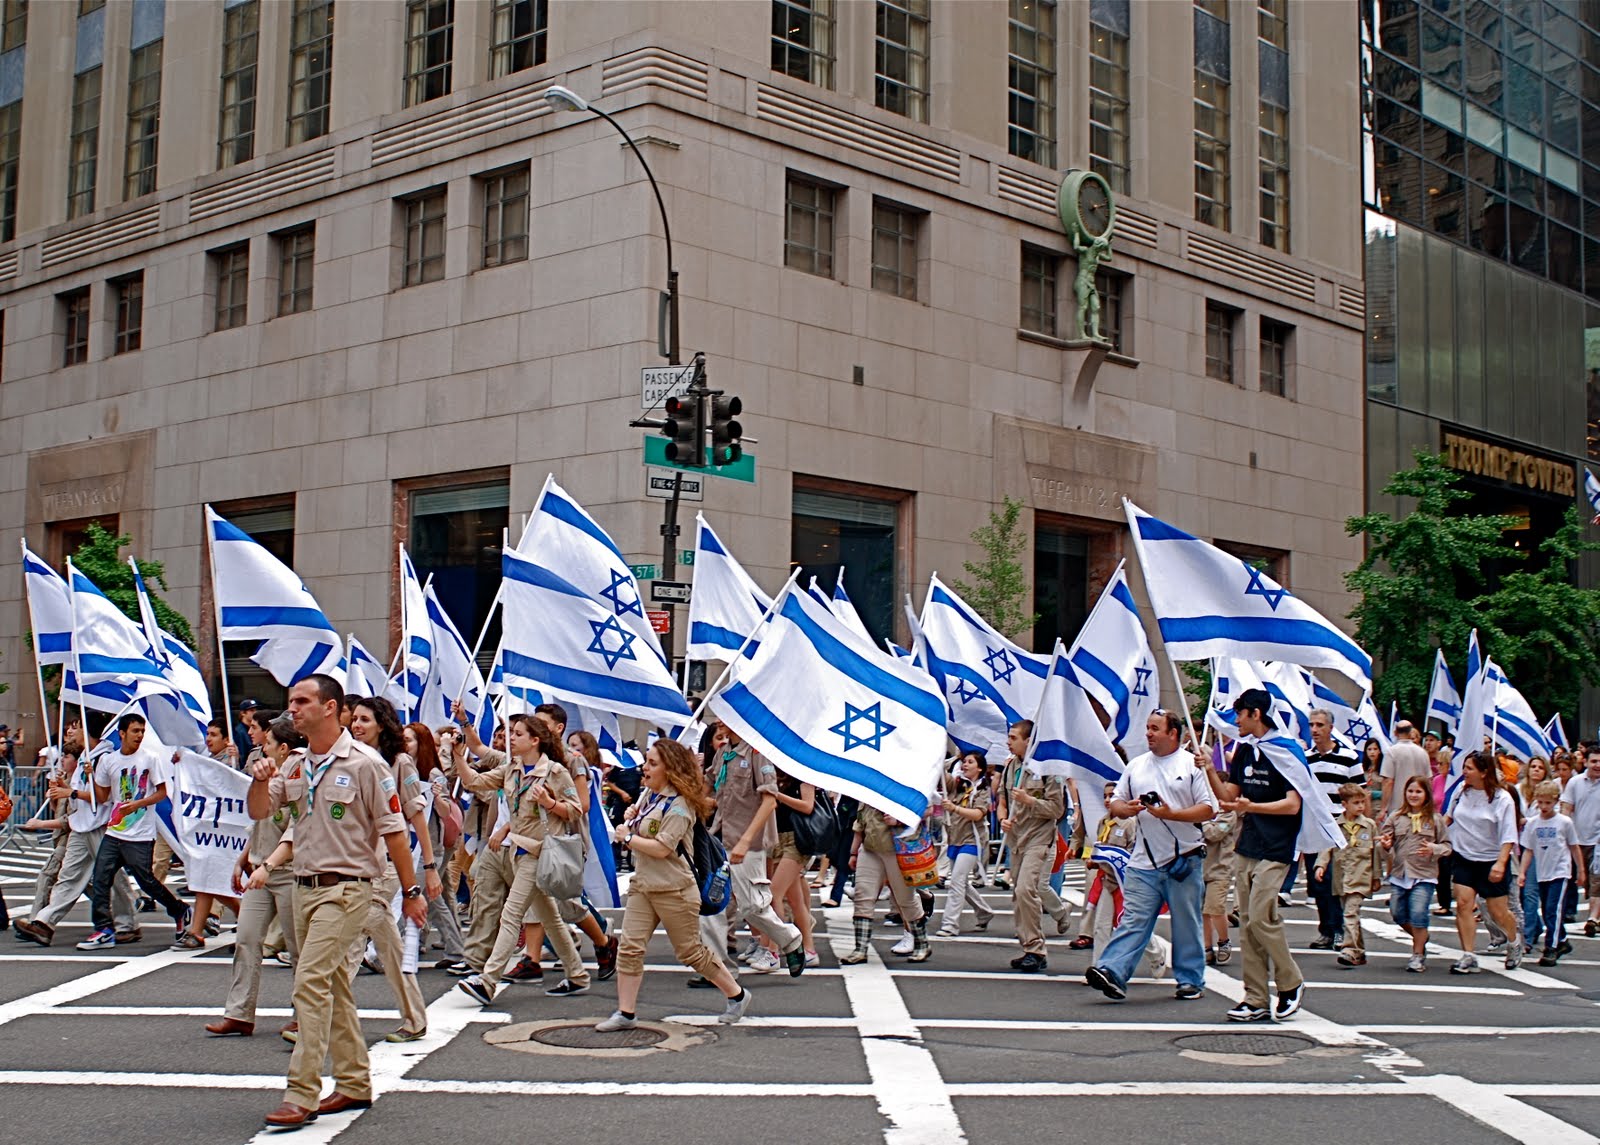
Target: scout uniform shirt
749 776
959 831
267 833
1355 868
1037 821
667 819
343 801
518 782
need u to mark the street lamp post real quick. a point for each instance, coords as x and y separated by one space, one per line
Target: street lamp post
565 99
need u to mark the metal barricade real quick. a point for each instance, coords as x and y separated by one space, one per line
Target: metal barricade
27 788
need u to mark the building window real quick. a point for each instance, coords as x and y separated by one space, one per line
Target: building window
128 294
84 145
87 6
1039 291
1276 339
424 225
1211 135
505 217
1220 321
144 120
75 311
1108 92
894 248
1060 584
13 24
310 69
10 162
454 535
833 525
901 82
1272 50
297 255
802 40
1031 99
808 226
518 31
236 129
232 268
1113 290
430 44
1273 562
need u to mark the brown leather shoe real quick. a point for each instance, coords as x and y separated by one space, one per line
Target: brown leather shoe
337 1102
290 1116
39 932
290 1033
230 1027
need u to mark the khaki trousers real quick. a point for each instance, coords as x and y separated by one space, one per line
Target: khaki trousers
77 871
1031 859
328 921
874 872
47 877
1352 921
1261 941
380 926
525 892
258 910
751 902
491 883
679 913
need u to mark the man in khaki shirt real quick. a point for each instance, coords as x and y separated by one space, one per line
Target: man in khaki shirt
1030 806
343 801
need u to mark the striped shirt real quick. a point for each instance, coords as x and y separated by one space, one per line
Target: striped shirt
1334 769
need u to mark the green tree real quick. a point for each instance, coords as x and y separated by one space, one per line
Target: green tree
1542 628
97 559
999 586
1422 581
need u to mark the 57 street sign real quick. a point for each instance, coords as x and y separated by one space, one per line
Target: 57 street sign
658 383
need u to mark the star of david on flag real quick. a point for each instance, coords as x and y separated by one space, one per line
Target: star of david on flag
1000 665
613 592
852 738
966 693
1113 662
1268 591
1141 681
623 650
1358 730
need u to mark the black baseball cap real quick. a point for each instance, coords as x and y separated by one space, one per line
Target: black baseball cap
248 705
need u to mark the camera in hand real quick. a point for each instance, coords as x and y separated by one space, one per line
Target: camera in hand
1151 799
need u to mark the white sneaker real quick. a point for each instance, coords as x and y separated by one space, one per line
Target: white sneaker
747 951
763 961
1466 964
616 1022
735 1009
947 932
905 945
812 960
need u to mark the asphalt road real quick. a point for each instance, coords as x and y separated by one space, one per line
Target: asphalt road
957 1049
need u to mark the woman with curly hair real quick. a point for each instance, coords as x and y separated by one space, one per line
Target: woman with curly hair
373 722
659 830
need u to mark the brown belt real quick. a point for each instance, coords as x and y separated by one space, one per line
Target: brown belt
327 880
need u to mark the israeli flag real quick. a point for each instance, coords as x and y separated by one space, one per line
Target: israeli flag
1319 828
366 676
1591 489
1291 698
109 646
1514 725
1068 740
258 596
829 709
727 606
290 659
1230 679
568 543
558 638
416 637
845 609
1113 661
1477 710
182 670
1555 733
49 610
1351 726
988 682
1444 702
1209 603
453 675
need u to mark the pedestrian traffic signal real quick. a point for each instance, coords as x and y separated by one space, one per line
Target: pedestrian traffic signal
725 432
685 426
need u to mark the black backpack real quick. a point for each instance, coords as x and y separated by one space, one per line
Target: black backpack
712 875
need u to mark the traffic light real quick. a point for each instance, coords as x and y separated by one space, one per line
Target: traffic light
725 432
686 427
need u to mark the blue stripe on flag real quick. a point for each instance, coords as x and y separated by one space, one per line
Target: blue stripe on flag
319 653
709 542
862 670
524 570
1261 630
702 633
254 616
577 682
1122 595
563 510
783 738
1061 750
1155 529
1100 671
94 664
53 641
227 531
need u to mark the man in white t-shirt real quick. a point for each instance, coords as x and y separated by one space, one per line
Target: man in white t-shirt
1169 792
1581 800
128 779
1404 759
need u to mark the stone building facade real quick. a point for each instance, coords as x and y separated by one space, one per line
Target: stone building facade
415 289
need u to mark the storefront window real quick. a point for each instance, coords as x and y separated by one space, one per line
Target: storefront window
1060 586
455 537
859 533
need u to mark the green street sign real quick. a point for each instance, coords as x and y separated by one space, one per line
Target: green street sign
644 572
655 453
686 556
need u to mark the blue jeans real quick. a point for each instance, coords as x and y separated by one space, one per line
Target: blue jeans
1143 892
1408 906
1531 902
1554 895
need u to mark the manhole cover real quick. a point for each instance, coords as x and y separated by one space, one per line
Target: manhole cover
1251 1045
588 1038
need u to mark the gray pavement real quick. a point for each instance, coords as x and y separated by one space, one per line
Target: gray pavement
958 1049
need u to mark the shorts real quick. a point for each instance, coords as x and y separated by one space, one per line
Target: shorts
1590 880
1408 906
1474 873
1219 880
787 850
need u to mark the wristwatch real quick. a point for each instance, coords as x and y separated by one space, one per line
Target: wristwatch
413 892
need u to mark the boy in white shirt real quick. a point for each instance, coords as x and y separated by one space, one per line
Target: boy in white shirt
1550 841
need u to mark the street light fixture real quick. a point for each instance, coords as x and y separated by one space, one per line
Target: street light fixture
565 99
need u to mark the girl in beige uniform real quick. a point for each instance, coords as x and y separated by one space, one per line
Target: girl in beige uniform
659 830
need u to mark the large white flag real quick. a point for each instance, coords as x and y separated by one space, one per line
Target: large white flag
1211 603
1353 726
830 709
179 665
1069 741
416 637
367 677
988 682
454 674
207 819
1514 725
1112 659
258 596
1444 702
844 608
559 639
727 606
49 610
